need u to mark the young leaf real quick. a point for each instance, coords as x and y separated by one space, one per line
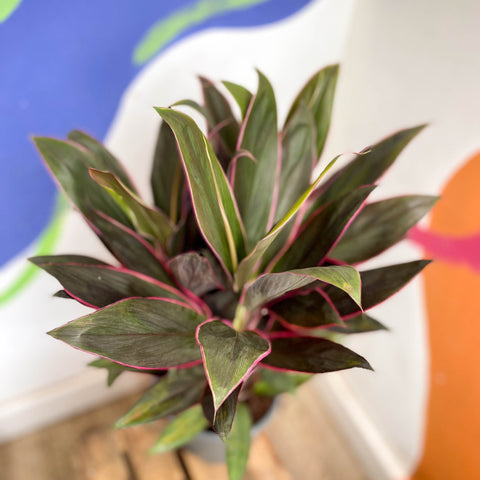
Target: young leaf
254 181
379 226
377 285
358 324
319 235
139 332
104 160
307 311
115 369
238 443
248 264
241 95
366 168
176 391
317 96
148 222
272 382
130 249
98 284
183 428
212 198
270 286
69 165
194 272
243 350
312 355
167 178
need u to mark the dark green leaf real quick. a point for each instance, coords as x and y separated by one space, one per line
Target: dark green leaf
254 181
167 177
320 233
241 95
229 356
140 332
194 272
238 443
130 249
116 369
379 226
69 165
270 286
312 355
176 391
358 324
307 311
212 198
183 428
377 285
272 382
366 168
222 419
104 160
317 96
98 284
148 222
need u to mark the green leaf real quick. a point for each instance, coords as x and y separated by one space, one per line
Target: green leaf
379 226
148 222
194 272
222 419
69 165
98 284
270 286
116 369
241 95
317 96
358 324
254 181
307 311
104 160
173 393
130 249
139 332
167 178
377 285
183 428
238 443
319 234
222 125
272 382
367 167
212 198
312 355
298 157
248 264
229 356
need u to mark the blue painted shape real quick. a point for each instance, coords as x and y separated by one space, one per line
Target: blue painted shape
65 65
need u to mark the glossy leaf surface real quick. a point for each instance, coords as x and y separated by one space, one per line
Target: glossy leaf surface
358 324
98 284
173 393
241 95
273 382
238 443
270 286
379 226
183 428
243 350
312 355
212 198
319 235
140 332
148 221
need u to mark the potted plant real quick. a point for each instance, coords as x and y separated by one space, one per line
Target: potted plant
232 284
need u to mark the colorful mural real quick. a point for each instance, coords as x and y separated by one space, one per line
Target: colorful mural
70 72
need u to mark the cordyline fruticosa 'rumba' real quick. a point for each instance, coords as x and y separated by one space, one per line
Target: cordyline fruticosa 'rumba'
242 268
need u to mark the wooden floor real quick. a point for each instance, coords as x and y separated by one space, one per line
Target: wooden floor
300 443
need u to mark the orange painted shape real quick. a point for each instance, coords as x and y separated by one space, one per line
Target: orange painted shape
452 437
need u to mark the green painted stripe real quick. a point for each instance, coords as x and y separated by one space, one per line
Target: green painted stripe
7 7
45 246
167 29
